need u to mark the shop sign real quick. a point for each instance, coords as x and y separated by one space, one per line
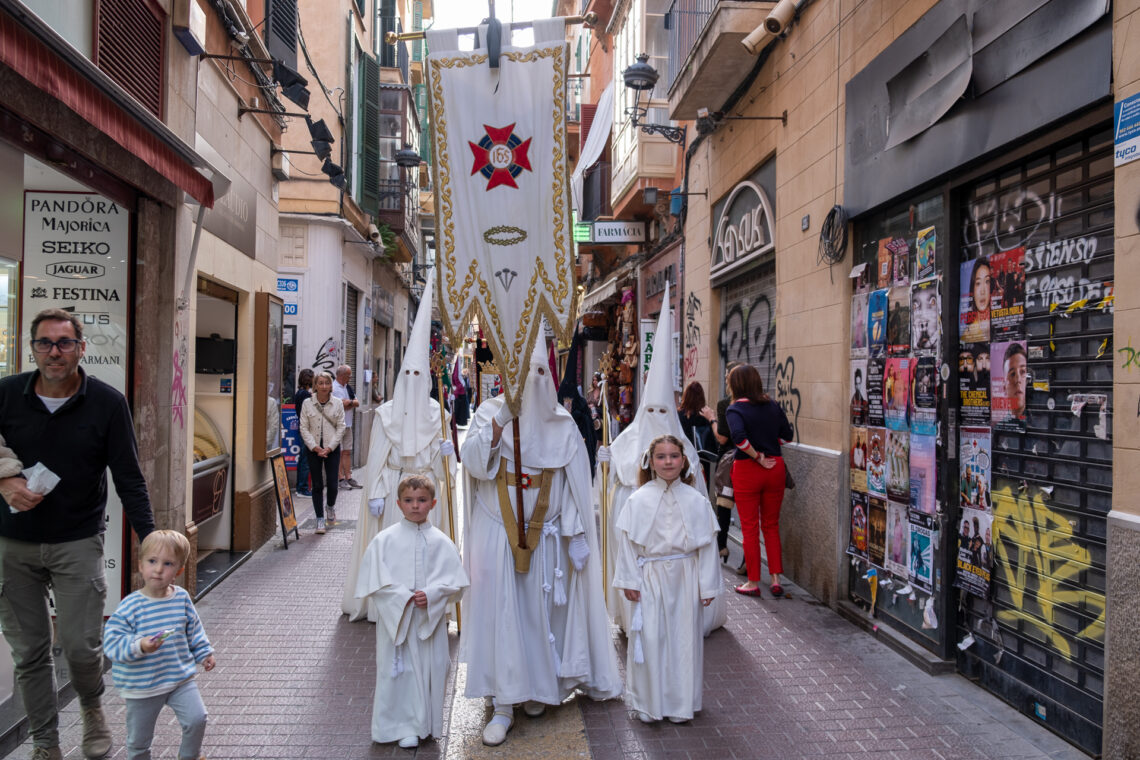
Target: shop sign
743 230
655 282
583 232
234 217
77 258
619 232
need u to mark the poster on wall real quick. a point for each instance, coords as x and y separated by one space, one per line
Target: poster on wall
898 466
975 553
974 384
898 539
925 250
974 469
858 459
923 475
885 265
924 396
857 544
1007 294
859 392
898 321
76 258
896 392
921 551
876 462
900 261
877 531
877 323
974 302
875 369
859 325
925 319
1008 387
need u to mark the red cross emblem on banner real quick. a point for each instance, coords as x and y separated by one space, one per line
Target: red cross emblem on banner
500 156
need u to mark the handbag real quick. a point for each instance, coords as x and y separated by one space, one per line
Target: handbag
722 478
789 481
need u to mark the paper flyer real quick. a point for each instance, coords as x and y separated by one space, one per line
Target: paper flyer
925 247
875 415
921 551
877 531
898 466
857 544
1009 386
898 321
1007 295
900 261
898 540
975 552
923 474
974 469
859 392
974 383
877 323
925 319
885 267
858 459
896 393
924 396
876 462
859 325
974 302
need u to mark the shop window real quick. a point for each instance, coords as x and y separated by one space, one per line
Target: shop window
9 317
292 245
129 48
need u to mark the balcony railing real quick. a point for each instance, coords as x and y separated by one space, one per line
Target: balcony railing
685 21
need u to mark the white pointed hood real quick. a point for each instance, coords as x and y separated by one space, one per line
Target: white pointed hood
657 412
411 419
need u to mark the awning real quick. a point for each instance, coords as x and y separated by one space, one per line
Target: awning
36 53
599 294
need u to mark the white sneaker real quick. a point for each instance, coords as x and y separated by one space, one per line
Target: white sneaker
410 742
320 525
644 717
496 731
330 514
678 720
534 709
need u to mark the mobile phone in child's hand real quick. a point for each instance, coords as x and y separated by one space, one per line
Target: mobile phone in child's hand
162 636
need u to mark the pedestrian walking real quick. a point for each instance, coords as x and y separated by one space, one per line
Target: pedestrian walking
697 417
757 425
155 641
667 569
75 426
304 391
347 395
723 490
322 428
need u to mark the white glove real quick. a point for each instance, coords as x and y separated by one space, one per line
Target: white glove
503 417
579 551
446 447
376 507
604 454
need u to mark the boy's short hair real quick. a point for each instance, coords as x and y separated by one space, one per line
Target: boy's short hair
415 483
170 540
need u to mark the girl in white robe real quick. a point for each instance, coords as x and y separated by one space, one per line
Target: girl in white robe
666 566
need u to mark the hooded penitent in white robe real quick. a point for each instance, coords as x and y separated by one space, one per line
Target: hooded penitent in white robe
656 416
541 634
405 441
411 642
666 538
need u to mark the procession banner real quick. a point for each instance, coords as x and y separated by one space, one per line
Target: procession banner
503 222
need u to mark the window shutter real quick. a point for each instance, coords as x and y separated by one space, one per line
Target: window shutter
129 48
281 31
370 135
586 120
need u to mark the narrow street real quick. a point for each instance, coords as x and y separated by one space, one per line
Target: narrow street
784 679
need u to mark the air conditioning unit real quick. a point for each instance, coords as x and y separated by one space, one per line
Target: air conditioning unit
280 166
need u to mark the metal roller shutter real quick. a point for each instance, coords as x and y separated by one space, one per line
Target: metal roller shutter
747 331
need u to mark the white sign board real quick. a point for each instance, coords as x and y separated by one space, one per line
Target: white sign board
619 232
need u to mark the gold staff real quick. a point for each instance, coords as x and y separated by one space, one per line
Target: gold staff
605 367
438 366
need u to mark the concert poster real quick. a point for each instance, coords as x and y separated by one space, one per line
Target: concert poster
925 247
885 270
974 469
857 545
859 325
974 383
900 261
896 392
877 323
898 539
922 551
1007 294
898 321
975 552
925 318
858 459
974 302
898 466
924 396
875 368
877 531
1009 383
859 392
923 473
876 462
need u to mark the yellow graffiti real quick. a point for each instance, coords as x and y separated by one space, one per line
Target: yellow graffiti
1040 562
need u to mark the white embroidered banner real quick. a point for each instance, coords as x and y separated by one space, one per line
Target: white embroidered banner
504 249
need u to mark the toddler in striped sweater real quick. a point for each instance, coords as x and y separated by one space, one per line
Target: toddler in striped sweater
155 641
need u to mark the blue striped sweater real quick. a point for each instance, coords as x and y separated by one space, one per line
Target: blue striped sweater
138 675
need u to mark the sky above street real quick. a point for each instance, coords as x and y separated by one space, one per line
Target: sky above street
466 13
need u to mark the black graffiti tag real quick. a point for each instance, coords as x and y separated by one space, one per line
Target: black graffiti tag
326 355
749 337
787 394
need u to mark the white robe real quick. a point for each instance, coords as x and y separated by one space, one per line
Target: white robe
667 551
518 641
387 465
411 642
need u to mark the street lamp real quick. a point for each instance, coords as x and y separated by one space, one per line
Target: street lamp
638 77
405 158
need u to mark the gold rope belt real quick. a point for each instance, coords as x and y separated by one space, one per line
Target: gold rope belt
506 480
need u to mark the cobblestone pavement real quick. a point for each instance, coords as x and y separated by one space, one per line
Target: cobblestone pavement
785 679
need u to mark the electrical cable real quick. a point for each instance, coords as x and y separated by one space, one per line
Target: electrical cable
313 70
833 237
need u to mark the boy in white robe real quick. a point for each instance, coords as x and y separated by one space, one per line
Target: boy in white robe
410 572
667 568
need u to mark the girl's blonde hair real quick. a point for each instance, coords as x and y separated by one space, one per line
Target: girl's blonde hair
646 472
170 540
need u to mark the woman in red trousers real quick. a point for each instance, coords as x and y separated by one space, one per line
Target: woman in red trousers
757 426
